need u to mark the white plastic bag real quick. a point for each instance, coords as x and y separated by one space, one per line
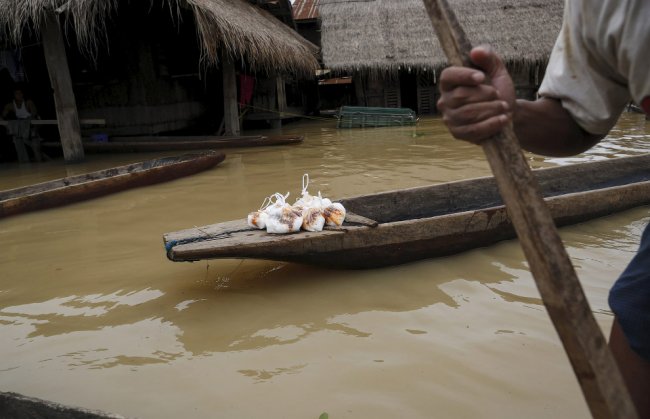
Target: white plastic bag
311 213
257 219
282 218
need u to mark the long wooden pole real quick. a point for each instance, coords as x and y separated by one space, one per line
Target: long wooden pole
64 100
558 284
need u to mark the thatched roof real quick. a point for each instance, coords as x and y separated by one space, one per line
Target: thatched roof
235 27
382 35
247 31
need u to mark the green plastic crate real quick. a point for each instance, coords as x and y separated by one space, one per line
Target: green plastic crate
364 117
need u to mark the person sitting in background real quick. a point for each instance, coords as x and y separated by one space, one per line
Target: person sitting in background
20 112
20 108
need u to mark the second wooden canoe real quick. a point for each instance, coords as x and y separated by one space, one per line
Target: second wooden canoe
151 144
401 226
103 182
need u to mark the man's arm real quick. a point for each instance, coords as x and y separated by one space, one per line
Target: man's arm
31 107
474 111
545 127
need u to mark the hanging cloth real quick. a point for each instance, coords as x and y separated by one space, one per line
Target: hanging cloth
246 87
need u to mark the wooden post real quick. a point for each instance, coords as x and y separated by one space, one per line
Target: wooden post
281 94
272 89
230 106
360 90
64 100
281 97
557 282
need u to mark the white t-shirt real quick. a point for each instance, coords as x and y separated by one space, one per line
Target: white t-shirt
600 61
21 111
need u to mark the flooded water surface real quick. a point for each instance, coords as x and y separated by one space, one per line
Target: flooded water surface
93 314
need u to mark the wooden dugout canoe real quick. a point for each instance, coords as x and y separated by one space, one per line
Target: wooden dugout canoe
103 182
150 144
425 222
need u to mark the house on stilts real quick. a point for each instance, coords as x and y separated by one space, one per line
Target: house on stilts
148 67
390 50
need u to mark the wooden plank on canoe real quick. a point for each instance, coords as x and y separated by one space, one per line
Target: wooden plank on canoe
352 218
231 228
207 232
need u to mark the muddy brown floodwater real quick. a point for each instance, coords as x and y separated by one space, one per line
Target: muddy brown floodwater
92 314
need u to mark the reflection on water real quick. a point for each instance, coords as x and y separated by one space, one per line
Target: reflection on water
92 314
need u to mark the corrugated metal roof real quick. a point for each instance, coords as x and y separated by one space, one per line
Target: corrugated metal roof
305 9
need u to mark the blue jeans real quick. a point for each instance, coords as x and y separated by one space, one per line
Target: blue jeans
629 299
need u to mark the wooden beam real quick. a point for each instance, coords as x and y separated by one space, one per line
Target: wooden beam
281 94
64 100
274 120
280 102
360 90
230 106
95 121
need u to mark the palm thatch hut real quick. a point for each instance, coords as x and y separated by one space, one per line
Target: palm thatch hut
153 66
391 48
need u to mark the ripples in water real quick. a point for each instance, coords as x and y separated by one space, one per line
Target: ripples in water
92 314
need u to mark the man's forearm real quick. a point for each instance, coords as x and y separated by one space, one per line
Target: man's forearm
545 127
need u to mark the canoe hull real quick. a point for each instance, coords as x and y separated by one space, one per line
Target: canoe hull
153 144
399 241
104 182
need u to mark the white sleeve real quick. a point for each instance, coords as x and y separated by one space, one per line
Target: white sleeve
582 80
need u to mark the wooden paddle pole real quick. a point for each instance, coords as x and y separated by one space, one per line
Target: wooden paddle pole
593 364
